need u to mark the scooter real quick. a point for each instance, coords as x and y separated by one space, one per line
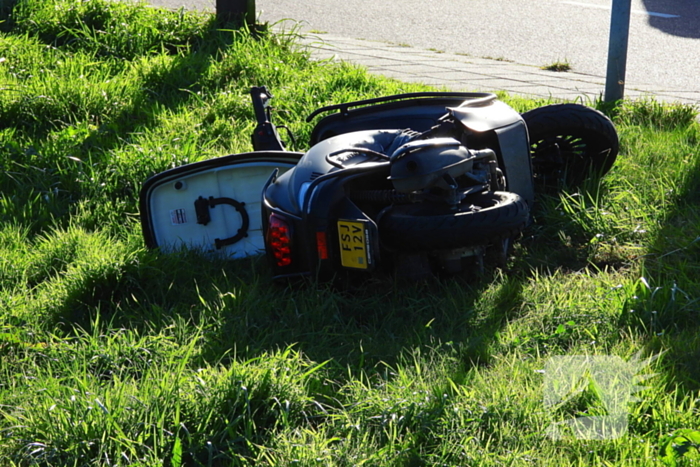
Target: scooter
412 185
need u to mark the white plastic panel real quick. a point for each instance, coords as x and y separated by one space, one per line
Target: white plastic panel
174 219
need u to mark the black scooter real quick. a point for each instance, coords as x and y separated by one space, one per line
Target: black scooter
413 184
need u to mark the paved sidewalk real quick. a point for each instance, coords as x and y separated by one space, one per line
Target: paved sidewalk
466 73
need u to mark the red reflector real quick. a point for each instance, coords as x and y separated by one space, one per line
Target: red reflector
321 245
279 238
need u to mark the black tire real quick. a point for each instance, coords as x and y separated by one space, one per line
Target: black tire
480 220
570 142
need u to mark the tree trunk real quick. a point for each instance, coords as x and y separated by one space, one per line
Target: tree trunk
239 11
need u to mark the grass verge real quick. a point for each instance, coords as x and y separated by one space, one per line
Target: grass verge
114 355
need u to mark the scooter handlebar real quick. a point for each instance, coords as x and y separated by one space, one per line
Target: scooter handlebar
261 102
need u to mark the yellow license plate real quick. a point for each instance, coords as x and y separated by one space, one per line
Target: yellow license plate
353 244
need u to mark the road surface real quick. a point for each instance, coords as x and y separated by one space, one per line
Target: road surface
664 43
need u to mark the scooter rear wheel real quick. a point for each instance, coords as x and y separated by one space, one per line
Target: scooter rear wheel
568 143
480 220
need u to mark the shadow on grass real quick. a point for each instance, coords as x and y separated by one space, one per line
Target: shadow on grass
665 307
242 313
165 87
42 170
6 20
35 173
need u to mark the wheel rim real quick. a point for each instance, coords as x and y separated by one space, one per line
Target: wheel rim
560 158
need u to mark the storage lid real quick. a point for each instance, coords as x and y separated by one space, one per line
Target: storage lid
212 205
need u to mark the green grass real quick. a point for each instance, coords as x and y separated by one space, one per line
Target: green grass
114 355
558 65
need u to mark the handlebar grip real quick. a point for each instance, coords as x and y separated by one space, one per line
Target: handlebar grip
265 137
261 99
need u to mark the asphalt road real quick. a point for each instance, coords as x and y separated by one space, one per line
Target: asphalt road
664 42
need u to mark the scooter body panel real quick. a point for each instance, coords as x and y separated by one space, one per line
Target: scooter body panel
213 205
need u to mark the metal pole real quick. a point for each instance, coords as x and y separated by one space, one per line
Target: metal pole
617 50
236 10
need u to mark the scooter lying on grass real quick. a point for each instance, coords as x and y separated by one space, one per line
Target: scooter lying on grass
413 184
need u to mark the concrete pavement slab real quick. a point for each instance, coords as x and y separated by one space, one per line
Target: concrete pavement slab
463 72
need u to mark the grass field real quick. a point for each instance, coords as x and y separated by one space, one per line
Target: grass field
114 355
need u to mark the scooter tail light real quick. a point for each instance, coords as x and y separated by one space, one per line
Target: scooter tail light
322 245
279 239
